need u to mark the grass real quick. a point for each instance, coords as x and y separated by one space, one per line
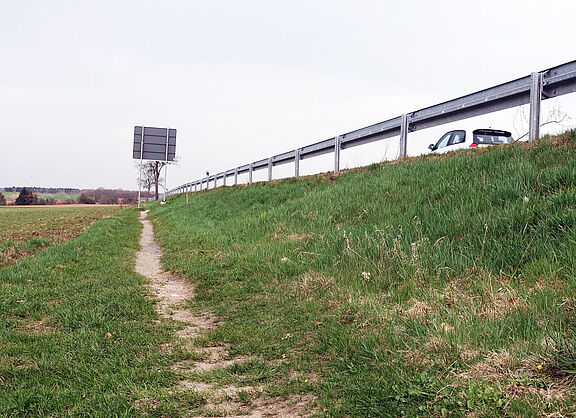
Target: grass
429 287
24 231
78 334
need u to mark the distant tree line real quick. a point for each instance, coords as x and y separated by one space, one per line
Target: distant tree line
108 196
29 196
54 190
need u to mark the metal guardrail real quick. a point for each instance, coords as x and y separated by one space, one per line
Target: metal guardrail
531 89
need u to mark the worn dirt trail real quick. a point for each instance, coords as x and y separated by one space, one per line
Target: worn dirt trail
172 292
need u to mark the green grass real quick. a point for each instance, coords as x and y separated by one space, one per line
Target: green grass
26 230
432 286
79 336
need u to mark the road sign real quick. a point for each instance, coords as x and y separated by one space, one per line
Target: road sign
157 144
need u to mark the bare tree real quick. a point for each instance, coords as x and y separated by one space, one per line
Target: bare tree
151 171
556 116
147 180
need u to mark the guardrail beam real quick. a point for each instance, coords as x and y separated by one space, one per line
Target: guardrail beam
531 89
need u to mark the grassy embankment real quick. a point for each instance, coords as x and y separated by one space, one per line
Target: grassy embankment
24 230
78 336
437 285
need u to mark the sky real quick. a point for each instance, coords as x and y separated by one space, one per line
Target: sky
243 80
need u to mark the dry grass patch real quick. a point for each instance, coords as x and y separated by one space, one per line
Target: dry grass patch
33 326
418 309
312 282
501 365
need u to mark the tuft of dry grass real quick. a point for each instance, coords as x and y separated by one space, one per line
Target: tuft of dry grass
419 309
32 326
312 282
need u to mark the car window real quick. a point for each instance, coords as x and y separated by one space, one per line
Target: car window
457 137
492 137
443 141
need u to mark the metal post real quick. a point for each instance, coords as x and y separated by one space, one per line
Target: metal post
535 101
140 178
337 145
224 180
166 162
404 136
270 169
235 176
297 163
250 174
215 180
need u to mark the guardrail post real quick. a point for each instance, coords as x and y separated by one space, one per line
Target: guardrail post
404 136
337 147
270 169
224 179
297 163
250 174
235 176
535 101
216 181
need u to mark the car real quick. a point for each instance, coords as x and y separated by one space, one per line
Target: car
460 138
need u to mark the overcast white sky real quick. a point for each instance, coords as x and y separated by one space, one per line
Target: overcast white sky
243 80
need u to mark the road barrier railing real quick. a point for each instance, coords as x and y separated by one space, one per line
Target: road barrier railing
531 89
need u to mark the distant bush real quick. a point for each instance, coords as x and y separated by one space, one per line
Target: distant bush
26 197
2 200
86 200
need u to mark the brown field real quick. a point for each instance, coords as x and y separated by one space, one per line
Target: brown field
24 230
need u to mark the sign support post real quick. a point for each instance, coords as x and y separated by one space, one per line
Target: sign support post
140 178
166 163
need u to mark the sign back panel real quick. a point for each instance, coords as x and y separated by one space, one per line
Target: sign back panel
157 144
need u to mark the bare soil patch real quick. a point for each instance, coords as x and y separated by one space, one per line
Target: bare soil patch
229 400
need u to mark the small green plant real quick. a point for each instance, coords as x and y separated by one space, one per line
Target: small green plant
564 352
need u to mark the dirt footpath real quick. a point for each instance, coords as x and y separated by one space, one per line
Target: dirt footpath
172 292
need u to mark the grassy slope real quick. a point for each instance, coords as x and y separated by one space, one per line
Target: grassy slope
77 334
432 286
